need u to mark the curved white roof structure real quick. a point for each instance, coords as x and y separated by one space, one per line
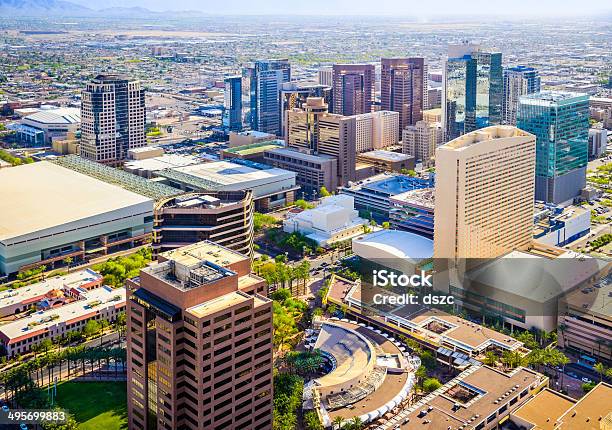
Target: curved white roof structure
393 244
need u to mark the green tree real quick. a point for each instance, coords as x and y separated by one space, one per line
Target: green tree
600 369
337 422
68 261
91 328
490 358
324 193
311 421
386 225
431 384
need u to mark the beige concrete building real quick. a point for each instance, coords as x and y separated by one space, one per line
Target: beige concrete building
484 193
376 130
421 140
432 115
315 131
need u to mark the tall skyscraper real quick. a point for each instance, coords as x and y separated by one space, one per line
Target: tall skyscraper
403 88
293 95
353 88
315 131
422 139
232 103
112 118
472 90
518 81
560 121
265 79
199 343
484 193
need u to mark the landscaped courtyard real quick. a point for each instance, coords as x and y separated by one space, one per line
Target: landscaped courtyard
95 405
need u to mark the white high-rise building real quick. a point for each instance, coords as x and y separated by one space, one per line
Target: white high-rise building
376 130
518 81
112 118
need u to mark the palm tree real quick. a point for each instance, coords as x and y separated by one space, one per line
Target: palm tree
601 369
337 422
490 358
356 423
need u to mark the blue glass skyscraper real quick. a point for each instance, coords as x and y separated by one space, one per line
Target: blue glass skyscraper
560 122
265 81
518 81
232 104
473 90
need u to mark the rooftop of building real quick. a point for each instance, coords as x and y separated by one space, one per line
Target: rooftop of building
38 322
380 154
218 174
359 352
424 197
64 116
257 147
111 176
543 409
211 200
43 195
31 293
165 161
537 274
393 244
594 300
290 152
469 399
550 97
549 410
224 302
391 184
254 133
185 277
204 251
483 135
431 325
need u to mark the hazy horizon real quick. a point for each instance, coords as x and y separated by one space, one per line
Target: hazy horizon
444 8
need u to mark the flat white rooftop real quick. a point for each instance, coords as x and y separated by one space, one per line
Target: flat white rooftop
42 195
95 300
32 292
228 173
386 155
162 162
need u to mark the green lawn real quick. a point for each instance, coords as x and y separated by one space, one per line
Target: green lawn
95 405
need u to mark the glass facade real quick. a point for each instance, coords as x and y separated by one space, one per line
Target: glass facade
560 122
473 88
232 112
265 81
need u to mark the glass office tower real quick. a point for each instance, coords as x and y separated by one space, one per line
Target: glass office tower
473 90
232 104
560 121
265 81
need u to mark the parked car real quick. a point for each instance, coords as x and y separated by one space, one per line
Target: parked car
586 380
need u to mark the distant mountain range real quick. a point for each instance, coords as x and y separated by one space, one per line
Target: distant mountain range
40 8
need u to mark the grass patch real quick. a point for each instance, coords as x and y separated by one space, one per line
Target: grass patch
95 405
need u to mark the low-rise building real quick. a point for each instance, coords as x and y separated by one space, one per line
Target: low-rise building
312 171
372 194
478 398
145 152
387 161
253 152
559 226
50 213
334 220
585 320
46 293
43 127
249 137
550 410
224 217
413 211
103 303
272 187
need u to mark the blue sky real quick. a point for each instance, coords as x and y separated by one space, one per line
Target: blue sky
419 8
